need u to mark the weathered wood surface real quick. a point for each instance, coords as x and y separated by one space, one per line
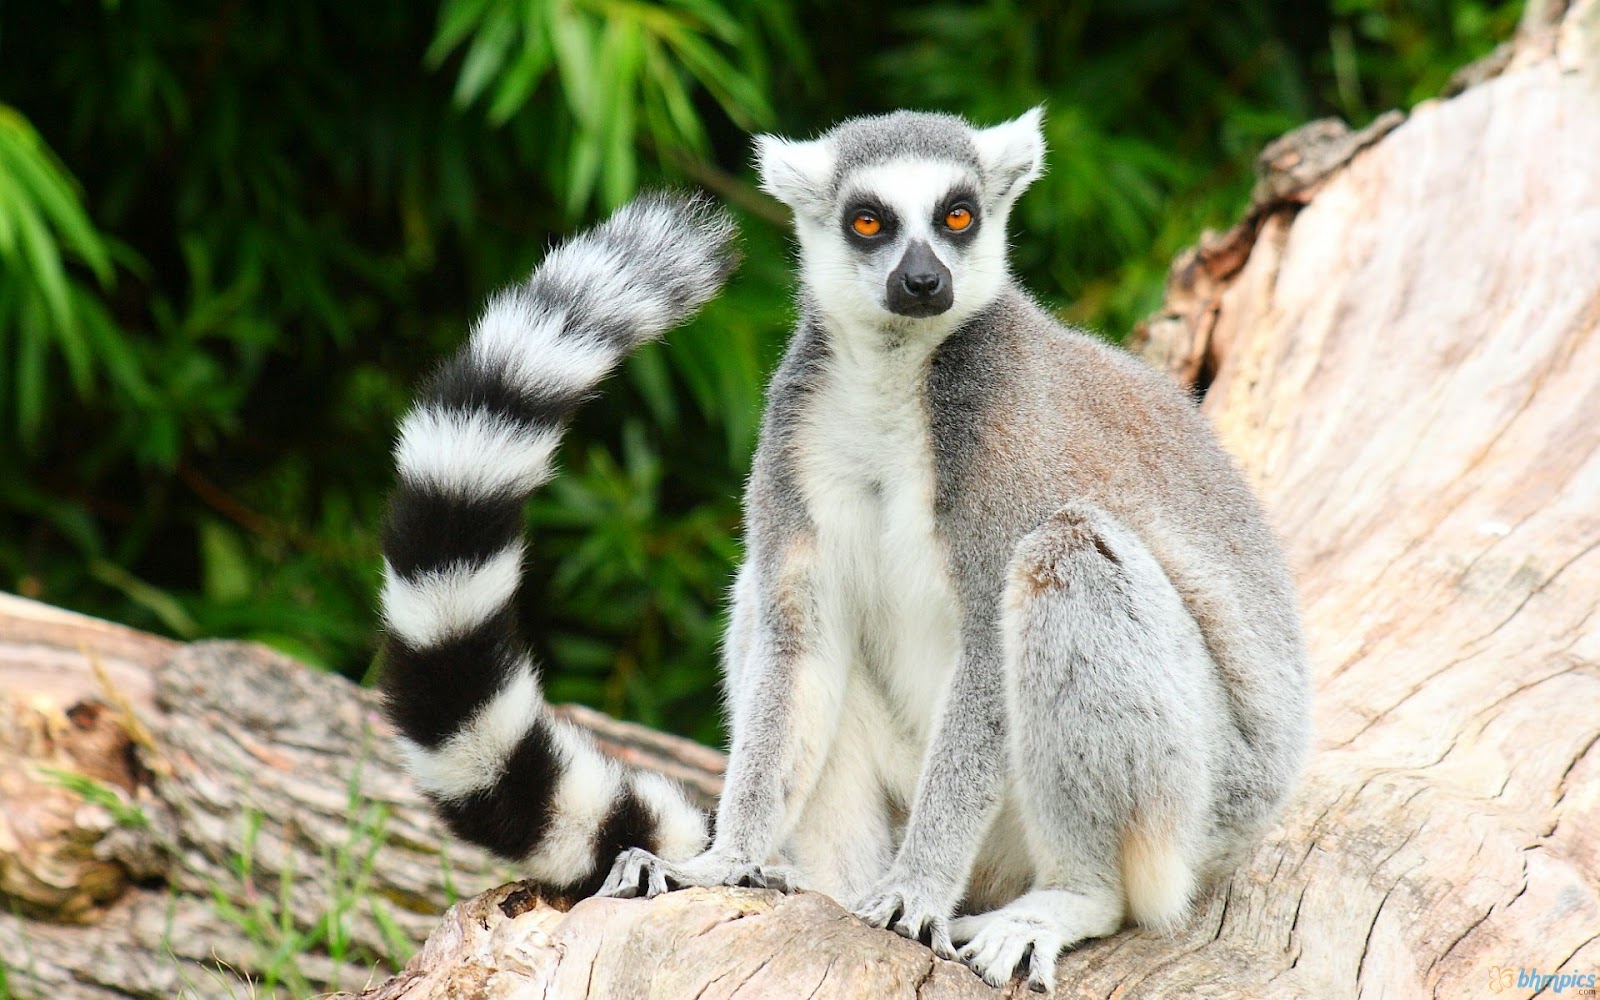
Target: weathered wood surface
1408 366
1401 343
695 943
236 753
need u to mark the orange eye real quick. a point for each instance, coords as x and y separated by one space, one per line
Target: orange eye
866 224
957 219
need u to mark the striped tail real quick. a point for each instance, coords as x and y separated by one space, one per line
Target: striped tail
458 680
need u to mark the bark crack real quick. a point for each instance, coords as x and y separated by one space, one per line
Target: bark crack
1561 783
707 929
1536 591
1227 901
764 963
1366 945
1586 942
600 940
927 977
829 970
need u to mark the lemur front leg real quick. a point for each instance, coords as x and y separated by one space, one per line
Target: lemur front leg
786 679
958 794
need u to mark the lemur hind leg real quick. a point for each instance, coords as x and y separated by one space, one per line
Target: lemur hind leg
1114 707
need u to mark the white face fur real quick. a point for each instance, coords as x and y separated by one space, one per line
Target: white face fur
881 251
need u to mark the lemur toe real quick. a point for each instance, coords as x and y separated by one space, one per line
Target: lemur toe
999 955
1042 967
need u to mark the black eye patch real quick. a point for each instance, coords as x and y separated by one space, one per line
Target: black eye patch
867 224
957 218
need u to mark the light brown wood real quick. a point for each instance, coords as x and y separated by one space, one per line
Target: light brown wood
1401 345
696 943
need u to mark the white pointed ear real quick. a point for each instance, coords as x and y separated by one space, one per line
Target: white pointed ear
1012 154
798 174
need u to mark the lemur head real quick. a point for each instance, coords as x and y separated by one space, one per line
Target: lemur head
902 217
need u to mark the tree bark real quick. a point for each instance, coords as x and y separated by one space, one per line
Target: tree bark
238 801
1400 343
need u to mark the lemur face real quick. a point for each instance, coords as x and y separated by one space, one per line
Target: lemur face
906 240
902 218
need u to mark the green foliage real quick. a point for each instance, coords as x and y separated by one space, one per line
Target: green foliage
126 814
615 62
258 902
233 236
46 313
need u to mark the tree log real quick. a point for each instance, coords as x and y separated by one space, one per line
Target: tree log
236 802
1400 343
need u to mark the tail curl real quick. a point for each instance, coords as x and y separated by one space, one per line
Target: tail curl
459 681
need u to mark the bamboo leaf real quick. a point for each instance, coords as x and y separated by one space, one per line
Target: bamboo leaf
573 38
25 157
49 280
225 567
734 91
484 58
620 167
32 394
517 84
457 19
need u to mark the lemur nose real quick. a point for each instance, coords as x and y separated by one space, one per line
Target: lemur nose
924 285
920 285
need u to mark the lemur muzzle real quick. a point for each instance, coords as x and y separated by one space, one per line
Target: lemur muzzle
920 284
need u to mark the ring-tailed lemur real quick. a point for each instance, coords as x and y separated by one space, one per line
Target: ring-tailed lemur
1013 654
458 680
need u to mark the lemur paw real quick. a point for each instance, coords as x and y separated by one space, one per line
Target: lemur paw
1001 943
637 872
911 913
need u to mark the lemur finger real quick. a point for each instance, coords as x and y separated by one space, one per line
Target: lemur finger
879 910
781 879
616 884
939 938
639 866
657 875
628 873
889 913
910 925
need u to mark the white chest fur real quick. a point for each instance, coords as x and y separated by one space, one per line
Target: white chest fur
866 469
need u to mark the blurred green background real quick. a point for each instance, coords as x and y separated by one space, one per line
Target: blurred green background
233 235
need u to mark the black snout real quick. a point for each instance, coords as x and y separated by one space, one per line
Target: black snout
920 285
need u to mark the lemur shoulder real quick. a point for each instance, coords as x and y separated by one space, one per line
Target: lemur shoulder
1013 657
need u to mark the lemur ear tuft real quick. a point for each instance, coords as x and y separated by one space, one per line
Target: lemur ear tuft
796 173
1012 153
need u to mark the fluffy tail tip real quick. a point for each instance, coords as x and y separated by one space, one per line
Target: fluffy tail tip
685 243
